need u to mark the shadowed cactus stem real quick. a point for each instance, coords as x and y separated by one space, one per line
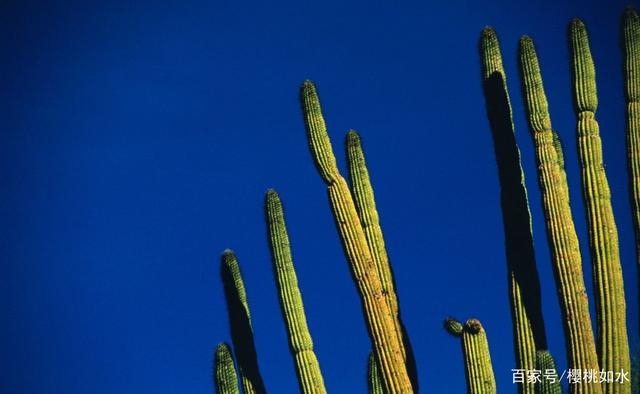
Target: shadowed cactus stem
300 343
240 324
226 378
613 345
380 320
475 350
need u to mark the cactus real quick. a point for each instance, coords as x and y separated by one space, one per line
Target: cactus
378 315
475 350
631 39
526 310
374 383
226 378
563 240
549 383
240 324
613 345
301 345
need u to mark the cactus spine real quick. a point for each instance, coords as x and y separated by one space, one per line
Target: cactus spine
226 378
526 310
475 350
603 235
380 320
563 240
549 383
374 383
240 324
301 345
631 30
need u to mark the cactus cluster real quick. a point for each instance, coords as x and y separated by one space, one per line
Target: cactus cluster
390 366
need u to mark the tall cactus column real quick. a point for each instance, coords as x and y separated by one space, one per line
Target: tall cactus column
225 376
378 315
613 344
563 239
631 30
307 366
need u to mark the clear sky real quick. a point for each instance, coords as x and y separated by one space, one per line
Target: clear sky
138 138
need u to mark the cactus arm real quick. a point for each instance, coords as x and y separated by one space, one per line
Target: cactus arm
524 295
374 382
563 240
380 324
226 378
475 350
631 38
240 324
613 345
300 342
547 366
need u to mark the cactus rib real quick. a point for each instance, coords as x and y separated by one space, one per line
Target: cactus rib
300 342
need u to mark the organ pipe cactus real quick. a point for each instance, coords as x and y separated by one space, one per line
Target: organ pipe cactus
563 240
379 317
631 39
240 324
300 343
475 350
374 384
613 347
226 378
526 310
549 383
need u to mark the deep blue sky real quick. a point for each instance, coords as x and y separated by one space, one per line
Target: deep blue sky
138 138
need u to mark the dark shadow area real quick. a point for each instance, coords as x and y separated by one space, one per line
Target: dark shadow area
515 207
241 332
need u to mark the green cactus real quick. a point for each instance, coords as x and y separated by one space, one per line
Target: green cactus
226 378
301 345
526 309
549 382
631 39
240 324
378 315
563 240
613 344
475 350
374 383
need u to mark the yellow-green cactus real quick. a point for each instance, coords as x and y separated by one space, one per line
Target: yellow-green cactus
612 342
379 317
526 310
226 378
374 383
549 381
475 350
301 345
240 324
563 240
631 29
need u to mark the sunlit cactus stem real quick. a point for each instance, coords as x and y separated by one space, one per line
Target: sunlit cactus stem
226 378
563 240
613 345
300 343
549 381
631 30
240 325
477 359
374 382
379 317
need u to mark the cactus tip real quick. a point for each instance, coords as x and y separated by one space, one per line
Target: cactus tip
453 326
473 326
353 138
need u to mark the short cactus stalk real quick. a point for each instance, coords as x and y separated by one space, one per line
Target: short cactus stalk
524 295
563 240
226 378
549 381
240 325
631 39
475 350
379 317
374 382
613 345
300 342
